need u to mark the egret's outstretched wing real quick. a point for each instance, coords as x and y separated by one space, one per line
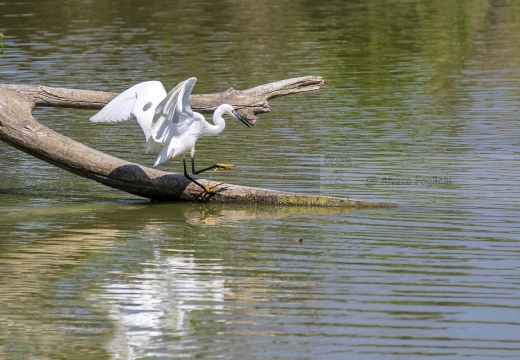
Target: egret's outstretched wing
137 102
173 115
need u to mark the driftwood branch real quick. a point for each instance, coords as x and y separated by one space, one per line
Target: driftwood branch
248 103
19 129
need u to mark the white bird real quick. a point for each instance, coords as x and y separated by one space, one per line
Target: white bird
170 126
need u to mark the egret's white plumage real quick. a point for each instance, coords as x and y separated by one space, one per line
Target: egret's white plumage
170 126
138 102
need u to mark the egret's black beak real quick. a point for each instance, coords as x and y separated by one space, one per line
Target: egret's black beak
242 120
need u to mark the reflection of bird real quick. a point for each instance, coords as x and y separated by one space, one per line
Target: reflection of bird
170 126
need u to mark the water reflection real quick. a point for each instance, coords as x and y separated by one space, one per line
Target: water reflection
158 303
146 279
98 275
42 309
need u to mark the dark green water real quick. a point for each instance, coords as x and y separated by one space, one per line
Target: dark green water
420 108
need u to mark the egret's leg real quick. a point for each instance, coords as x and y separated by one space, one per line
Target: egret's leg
214 167
187 176
207 189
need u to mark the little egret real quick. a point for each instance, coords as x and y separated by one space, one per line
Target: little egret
170 126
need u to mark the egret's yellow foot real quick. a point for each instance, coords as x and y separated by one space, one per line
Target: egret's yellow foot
209 189
223 166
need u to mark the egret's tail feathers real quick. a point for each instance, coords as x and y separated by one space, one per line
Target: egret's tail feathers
162 157
152 146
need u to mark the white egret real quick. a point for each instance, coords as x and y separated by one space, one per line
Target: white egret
170 126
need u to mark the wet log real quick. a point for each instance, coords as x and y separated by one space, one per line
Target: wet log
19 129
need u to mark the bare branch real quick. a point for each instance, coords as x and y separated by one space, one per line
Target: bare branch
19 129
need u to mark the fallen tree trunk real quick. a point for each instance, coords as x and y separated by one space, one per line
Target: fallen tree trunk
19 129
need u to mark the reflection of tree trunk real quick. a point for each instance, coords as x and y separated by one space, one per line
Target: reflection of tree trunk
19 129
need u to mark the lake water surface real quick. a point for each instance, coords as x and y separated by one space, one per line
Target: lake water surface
420 108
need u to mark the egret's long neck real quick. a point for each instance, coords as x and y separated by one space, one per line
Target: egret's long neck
219 122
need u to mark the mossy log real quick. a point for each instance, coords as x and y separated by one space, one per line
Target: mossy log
19 129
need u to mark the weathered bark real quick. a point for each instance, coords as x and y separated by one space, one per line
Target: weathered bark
248 103
19 129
